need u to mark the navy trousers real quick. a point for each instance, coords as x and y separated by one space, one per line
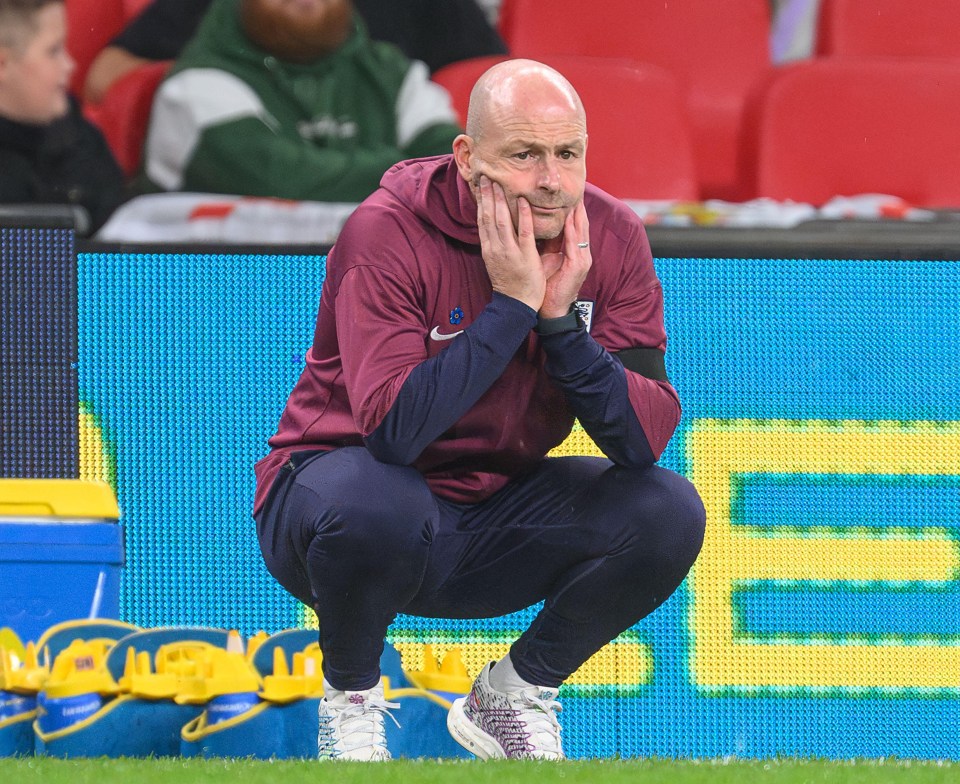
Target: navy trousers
360 541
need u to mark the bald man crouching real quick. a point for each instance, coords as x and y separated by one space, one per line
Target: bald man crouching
474 306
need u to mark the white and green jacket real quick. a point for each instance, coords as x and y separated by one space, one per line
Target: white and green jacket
230 118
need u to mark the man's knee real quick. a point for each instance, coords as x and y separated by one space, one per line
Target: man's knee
666 516
359 507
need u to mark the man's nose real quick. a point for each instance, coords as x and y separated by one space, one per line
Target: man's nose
549 175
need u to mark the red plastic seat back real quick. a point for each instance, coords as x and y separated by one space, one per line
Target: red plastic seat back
717 50
125 111
846 126
132 8
639 142
889 28
91 24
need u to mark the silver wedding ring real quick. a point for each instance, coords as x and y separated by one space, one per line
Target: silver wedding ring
583 244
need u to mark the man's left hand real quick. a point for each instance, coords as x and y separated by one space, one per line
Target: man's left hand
566 277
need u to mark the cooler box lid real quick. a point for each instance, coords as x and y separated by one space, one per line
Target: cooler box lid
57 500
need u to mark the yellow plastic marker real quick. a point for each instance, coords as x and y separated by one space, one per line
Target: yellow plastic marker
81 668
22 675
11 641
305 680
450 676
218 672
139 680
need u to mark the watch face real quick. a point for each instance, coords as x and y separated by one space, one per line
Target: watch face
584 310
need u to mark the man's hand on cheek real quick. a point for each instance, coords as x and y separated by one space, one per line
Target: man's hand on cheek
510 254
563 283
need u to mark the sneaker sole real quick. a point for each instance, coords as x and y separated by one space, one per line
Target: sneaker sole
469 735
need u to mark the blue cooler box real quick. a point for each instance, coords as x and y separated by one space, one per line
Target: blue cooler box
61 553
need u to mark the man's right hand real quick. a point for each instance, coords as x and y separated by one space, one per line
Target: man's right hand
510 254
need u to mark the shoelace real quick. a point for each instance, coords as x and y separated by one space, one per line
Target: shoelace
361 726
541 722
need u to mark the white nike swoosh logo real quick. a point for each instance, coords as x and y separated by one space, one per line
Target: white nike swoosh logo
436 334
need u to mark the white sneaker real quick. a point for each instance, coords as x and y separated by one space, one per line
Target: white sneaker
352 726
494 724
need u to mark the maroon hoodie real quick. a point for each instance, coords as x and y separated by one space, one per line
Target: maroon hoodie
416 358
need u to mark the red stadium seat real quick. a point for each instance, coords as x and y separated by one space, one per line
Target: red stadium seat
125 111
132 8
90 26
889 28
845 126
639 142
717 49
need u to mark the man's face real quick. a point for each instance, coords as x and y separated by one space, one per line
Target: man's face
536 149
35 76
297 31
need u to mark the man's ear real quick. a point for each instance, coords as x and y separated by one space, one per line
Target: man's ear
463 156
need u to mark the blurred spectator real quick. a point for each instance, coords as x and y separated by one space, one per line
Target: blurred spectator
794 31
491 8
291 98
438 32
48 152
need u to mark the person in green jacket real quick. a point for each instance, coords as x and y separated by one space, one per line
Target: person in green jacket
291 99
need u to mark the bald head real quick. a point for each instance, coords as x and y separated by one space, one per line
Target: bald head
526 131
508 87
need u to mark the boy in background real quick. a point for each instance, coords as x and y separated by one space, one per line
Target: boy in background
49 153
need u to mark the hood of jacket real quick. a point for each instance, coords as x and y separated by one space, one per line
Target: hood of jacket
436 193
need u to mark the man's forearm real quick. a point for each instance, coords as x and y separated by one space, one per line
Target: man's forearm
596 386
443 388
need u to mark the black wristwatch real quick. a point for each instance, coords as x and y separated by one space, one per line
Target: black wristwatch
569 322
